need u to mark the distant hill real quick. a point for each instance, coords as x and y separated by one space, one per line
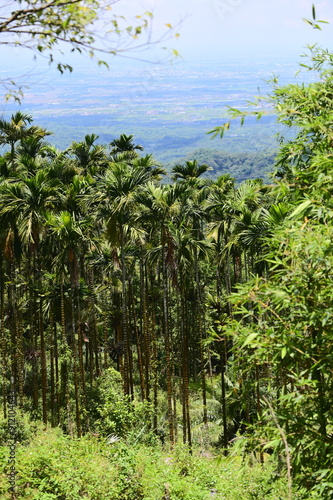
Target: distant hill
241 166
169 111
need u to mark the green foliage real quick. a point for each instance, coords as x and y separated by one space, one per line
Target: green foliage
101 266
117 415
57 467
286 330
25 427
282 324
240 165
53 466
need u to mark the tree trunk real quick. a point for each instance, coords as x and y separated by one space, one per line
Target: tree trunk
64 362
3 341
76 340
138 341
224 401
43 359
93 337
124 317
167 345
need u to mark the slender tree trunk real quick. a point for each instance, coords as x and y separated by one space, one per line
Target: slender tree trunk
57 377
94 337
64 364
81 376
138 341
130 372
33 308
203 374
145 327
124 317
186 389
74 272
154 367
74 293
224 400
13 332
52 384
20 350
105 332
258 405
3 340
183 364
200 315
55 393
187 437
237 267
43 359
167 345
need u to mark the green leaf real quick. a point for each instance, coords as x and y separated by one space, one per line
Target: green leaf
103 63
272 444
249 339
298 210
313 12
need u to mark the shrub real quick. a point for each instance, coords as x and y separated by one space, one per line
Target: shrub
118 415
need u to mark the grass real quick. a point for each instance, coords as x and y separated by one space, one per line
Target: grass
52 466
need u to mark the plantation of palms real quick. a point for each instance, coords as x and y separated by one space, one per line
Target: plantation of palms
185 318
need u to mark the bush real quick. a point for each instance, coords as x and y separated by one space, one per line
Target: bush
117 415
25 428
56 467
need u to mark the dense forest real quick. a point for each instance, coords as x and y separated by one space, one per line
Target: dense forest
241 165
199 311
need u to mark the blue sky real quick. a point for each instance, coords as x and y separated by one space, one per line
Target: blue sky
209 30
223 28
220 29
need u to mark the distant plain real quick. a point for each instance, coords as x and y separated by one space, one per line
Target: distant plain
167 108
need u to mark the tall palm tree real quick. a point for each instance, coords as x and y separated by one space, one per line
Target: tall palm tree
27 201
16 129
194 213
163 206
124 148
117 205
190 172
69 237
87 156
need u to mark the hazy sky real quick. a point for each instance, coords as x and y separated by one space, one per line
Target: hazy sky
220 28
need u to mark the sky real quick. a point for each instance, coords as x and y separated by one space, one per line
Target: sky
221 29
231 28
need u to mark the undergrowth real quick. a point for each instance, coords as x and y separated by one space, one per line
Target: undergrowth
53 466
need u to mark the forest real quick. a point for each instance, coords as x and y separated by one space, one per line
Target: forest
168 340
241 166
